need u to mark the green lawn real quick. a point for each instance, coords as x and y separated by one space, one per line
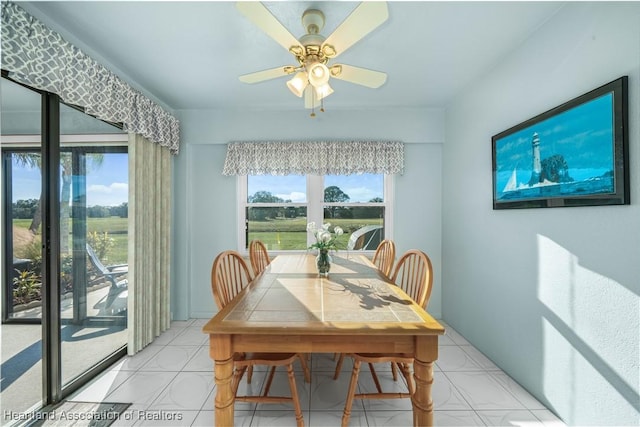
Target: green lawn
287 233
277 234
115 227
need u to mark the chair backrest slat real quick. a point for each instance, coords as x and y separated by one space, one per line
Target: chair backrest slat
385 256
229 276
414 275
258 256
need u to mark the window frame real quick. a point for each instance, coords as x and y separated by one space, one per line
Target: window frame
315 208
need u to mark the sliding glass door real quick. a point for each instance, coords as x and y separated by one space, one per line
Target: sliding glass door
64 281
21 180
93 241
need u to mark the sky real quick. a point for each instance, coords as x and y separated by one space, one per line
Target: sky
359 188
107 185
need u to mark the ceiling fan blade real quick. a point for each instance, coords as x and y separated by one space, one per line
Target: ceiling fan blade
257 13
260 76
364 19
357 75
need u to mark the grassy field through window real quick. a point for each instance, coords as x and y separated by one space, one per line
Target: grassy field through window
115 227
291 233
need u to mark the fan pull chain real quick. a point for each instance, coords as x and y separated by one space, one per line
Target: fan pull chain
322 105
313 106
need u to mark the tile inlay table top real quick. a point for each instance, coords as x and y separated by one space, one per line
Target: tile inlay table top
289 308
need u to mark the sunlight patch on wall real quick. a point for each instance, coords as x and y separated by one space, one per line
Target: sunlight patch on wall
588 346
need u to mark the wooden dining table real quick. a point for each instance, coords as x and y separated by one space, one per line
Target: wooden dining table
356 309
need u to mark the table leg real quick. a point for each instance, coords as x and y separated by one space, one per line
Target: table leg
426 355
220 351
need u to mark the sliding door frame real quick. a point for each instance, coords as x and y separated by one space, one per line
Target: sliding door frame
50 164
53 389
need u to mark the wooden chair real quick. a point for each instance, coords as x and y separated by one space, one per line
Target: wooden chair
383 259
385 256
414 274
258 256
229 276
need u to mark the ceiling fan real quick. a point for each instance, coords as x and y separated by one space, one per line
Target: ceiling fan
313 52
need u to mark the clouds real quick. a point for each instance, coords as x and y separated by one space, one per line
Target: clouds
361 194
113 194
294 196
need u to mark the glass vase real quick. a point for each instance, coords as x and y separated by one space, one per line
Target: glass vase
323 262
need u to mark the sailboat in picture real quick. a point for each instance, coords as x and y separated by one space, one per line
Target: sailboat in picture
512 184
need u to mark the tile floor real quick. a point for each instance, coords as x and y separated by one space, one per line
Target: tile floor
171 383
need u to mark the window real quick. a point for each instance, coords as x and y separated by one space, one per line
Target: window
276 209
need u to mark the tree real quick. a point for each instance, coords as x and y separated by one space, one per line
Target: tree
262 213
369 212
24 209
264 197
555 169
334 194
98 212
94 160
121 211
33 160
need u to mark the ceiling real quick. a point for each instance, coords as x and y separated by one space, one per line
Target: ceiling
189 55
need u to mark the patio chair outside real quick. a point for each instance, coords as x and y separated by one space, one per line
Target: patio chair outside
112 273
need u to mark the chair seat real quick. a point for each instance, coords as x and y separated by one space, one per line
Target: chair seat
229 276
272 359
414 275
383 357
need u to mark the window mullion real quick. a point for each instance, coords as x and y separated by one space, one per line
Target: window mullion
241 214
315 192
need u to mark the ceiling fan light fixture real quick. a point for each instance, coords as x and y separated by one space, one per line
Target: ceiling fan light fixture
318 74
313 51
323 91
298 84
329 51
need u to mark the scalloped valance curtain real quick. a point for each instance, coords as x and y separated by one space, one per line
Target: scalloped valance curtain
39 57
315 158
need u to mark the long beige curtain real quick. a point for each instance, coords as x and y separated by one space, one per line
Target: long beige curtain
149 241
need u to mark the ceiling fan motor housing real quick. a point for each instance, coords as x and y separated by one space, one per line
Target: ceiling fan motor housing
313 21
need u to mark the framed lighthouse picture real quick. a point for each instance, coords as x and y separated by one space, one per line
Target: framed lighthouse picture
573 155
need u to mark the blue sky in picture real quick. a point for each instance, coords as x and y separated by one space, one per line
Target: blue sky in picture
107 184
583 135
359 188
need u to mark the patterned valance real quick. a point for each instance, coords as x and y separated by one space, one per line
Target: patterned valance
316 158
39 57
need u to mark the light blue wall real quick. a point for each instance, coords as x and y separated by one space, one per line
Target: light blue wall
550 295
205 201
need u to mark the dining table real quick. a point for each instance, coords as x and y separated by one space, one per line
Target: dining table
289 307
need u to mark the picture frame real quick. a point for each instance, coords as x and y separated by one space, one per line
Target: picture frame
575 154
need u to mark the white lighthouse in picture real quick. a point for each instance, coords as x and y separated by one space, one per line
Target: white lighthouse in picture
537 165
